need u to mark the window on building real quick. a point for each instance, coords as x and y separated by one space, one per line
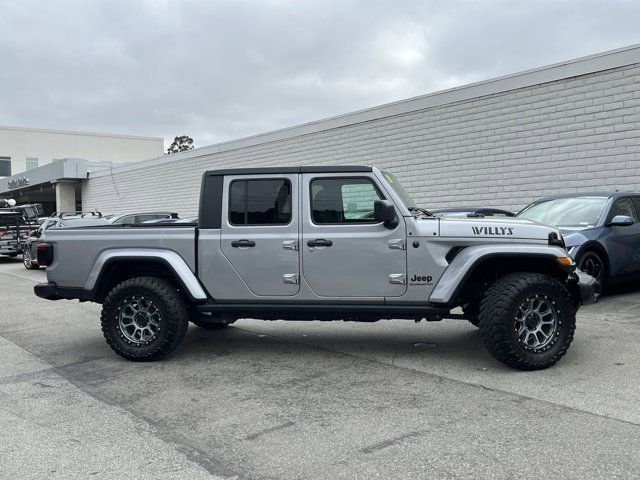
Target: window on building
260 202
32 162
5 166
343 200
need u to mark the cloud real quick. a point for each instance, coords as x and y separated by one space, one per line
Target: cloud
218 70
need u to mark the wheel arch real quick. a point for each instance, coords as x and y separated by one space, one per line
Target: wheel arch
481 271
597 247
112 269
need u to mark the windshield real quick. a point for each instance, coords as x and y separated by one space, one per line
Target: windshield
399 189
567 212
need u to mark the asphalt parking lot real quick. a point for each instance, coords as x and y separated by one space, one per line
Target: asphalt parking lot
300 400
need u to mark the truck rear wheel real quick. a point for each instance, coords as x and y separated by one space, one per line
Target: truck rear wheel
527 320
144 318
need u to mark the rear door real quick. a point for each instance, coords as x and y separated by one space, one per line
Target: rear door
259 233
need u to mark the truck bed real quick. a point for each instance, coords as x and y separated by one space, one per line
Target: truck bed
78 249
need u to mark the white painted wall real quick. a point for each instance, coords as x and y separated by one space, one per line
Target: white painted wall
47 145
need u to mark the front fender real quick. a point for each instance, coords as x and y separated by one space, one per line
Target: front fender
465 262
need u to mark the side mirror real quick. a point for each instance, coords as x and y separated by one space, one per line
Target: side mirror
34 233
384 211
621 221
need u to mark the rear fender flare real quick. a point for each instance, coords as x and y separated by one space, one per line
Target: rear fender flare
170 258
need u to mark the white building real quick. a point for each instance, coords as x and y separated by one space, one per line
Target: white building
23 149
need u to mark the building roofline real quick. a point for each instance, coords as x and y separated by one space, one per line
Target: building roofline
569 68
73 132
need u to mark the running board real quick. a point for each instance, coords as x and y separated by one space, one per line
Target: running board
306 310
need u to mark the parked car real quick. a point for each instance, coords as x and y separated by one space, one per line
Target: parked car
60 220
472 212
601 231
188 220
293 243
174 220
134 218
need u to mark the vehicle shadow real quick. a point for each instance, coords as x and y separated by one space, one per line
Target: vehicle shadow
9 260
622 289
248 338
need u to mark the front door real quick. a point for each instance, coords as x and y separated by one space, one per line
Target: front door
623 242
345 252
260 232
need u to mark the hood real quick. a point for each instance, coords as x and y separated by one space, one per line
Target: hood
575 236
503 228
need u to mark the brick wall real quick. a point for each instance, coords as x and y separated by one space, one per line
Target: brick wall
501 150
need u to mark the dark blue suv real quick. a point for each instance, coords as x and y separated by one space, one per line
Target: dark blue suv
601 231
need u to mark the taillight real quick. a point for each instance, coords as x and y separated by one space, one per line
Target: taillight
44 254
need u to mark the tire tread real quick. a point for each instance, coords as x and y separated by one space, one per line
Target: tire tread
497 304
176 322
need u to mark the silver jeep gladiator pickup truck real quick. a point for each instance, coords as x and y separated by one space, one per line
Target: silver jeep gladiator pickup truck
320 243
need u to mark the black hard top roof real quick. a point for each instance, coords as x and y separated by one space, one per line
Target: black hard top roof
289 170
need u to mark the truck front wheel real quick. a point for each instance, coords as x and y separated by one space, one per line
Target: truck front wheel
144 318
527 320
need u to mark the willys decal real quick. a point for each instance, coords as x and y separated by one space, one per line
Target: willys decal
496 231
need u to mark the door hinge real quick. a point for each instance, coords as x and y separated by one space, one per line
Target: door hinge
398 278
291 278
397 243
290 245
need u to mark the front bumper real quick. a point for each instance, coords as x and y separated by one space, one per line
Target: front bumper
588 288
7 248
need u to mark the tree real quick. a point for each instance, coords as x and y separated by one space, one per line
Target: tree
180 144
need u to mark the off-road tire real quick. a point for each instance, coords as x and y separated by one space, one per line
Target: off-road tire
174 318
211 325
27 260
497 318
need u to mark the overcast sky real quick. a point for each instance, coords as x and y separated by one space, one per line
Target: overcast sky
218 70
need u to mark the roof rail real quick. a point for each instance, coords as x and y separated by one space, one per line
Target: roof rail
77 214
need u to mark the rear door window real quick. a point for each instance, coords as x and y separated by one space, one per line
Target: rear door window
260 202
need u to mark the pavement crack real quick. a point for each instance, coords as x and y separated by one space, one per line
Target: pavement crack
260 433
390 442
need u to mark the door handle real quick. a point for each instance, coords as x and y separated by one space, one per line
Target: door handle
243 243
319 242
